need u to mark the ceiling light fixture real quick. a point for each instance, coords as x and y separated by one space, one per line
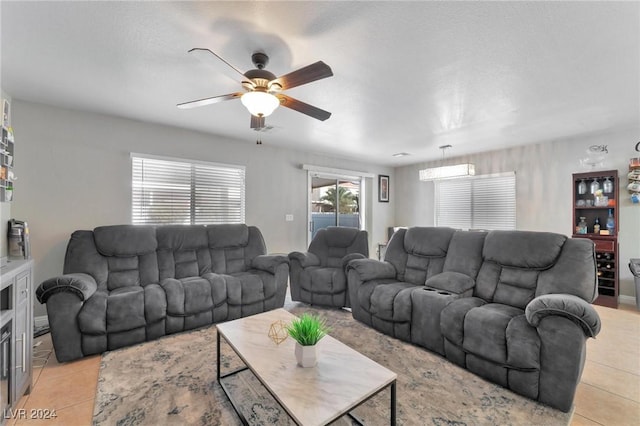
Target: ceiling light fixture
401 154
259 103
447 172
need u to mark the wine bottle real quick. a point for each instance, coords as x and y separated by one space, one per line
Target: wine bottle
611 223
596 226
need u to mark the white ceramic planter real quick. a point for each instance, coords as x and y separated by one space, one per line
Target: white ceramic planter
306 355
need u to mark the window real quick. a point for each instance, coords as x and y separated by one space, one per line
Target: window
173 191
336 197
480 202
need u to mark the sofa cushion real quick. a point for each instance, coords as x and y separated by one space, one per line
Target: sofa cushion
485 331
452 282
426 250
183 251
392 302
155 303
228 260
182 237
228 235
464 254
333 243
233 246
516 287
125 309
82 256
426 241
123 272
453 315
193 295
246 289
569 275
125 240
523 249
92 318
323 280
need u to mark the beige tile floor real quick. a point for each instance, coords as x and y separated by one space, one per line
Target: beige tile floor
609 393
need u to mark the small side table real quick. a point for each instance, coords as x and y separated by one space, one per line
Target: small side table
382 248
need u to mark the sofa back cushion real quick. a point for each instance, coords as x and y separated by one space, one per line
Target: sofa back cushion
464 254
233 246
574 272
418 253
82 256
333 243
513 262
137 255
183 251
130 253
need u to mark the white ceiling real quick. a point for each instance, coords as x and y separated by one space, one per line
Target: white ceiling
408 76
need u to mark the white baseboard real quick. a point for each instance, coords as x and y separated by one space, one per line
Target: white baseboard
627 300
43 321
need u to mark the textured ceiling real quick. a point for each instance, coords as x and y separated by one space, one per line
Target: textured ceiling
408 76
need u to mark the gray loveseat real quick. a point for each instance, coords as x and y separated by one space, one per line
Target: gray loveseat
510 306
127 284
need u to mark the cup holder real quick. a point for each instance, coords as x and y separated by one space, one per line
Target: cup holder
444 293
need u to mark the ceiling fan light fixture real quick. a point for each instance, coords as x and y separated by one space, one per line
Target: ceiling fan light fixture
260 104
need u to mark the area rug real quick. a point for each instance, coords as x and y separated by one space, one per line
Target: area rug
172 381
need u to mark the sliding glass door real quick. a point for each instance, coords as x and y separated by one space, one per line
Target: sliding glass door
335 201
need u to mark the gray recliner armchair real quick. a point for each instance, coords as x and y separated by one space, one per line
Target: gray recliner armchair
318 276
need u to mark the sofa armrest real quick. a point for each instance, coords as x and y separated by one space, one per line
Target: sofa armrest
370 269
351 256
306 259
269 263
565 305
82 285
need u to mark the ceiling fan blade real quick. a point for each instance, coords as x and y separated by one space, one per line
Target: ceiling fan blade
204 55
208 101
257 122
310 110
305 75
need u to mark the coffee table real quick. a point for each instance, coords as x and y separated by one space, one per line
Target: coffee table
342 380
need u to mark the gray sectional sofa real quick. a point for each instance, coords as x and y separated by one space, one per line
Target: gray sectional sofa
127 284
511 306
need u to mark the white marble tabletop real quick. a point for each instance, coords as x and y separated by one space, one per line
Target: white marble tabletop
341 380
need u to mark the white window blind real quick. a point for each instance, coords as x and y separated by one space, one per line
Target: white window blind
480 202
172 191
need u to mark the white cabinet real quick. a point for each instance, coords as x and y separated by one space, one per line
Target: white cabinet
16 307
23 334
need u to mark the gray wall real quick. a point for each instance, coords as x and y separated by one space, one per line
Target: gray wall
74 173
543 188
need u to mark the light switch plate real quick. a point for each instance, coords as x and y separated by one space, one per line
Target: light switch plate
288 217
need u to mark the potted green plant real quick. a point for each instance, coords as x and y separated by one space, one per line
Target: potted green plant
307 332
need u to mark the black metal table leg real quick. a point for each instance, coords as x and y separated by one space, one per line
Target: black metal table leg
393 403
218 356
226 391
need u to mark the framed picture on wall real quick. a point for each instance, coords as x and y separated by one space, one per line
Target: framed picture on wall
383 188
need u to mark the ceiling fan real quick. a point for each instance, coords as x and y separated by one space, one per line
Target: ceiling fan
263 90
